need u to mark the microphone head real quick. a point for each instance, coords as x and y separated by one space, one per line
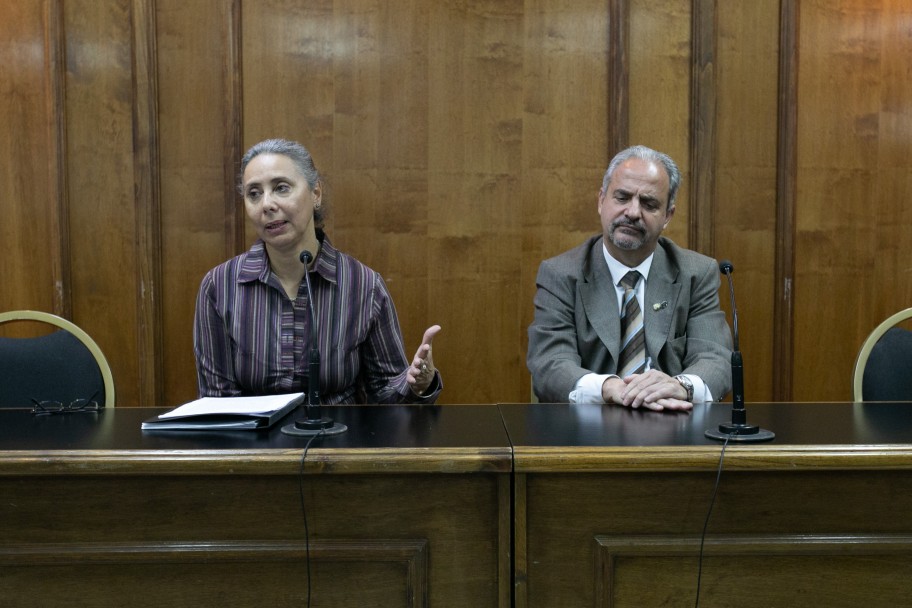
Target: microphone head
306 257
725 266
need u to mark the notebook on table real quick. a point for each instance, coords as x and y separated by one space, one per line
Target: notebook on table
226 413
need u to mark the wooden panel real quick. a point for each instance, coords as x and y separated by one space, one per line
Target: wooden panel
200 210
100 144
744 214
380 175
33 229
288 85
277 573
853 185
660 79
475 152
565 138
170 532
754 520
463 142
753 570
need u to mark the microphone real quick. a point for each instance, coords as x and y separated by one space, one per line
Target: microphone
315 423
738 429
313 368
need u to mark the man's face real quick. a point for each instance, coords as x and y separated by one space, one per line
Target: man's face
634 210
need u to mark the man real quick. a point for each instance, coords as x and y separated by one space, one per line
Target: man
583 298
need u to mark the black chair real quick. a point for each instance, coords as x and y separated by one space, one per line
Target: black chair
64 366
883 369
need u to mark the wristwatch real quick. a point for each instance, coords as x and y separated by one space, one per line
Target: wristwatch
688 386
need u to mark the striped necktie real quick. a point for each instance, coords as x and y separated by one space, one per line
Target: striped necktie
633 336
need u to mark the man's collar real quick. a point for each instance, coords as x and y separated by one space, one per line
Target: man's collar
618 269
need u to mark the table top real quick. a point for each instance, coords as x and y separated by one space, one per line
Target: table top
410 438
547 437
792 423
466 438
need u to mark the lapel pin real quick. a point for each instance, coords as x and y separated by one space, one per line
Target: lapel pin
659 305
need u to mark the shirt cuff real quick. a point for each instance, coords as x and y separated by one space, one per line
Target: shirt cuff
589 389
702 393
431 392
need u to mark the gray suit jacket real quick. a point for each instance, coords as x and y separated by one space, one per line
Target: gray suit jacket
576 329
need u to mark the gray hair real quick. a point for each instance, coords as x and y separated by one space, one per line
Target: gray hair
647 154
298 155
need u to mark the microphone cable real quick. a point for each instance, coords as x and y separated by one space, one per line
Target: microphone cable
304 510
712 501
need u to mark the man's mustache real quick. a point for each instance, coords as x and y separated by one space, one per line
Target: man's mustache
629 224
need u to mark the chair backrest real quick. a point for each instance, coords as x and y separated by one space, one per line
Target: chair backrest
64 366
883 369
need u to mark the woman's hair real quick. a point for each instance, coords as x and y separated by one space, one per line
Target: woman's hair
648 154
301 158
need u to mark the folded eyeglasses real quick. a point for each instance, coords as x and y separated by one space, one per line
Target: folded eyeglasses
49 408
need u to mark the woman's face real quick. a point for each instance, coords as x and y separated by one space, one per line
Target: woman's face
279 202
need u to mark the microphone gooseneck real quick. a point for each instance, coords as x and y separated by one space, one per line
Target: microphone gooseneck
738 429
313 366
727 268
314 423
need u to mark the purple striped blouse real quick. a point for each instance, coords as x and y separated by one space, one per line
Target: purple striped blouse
251 339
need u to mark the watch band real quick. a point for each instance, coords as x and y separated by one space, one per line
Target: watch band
688 386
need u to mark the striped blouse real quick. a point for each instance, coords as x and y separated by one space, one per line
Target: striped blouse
251 339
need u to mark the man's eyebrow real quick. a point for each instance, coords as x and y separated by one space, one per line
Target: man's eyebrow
643 195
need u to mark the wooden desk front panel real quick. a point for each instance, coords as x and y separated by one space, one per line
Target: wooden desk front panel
775 538
224 540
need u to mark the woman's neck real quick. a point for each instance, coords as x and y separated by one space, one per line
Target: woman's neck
288 266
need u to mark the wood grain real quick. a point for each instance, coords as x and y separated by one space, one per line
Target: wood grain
849 194
201 215
744 214
30 150
101 178
462 143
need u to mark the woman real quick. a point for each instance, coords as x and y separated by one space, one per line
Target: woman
252 326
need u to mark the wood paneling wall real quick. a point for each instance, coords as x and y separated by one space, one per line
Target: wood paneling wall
463 142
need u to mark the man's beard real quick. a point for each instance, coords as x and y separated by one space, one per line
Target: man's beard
627 244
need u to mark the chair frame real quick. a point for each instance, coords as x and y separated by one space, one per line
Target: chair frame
862 361
82 336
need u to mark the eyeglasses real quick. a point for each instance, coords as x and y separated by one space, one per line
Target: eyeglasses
49 408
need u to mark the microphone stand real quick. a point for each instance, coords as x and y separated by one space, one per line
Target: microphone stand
314 423
738 430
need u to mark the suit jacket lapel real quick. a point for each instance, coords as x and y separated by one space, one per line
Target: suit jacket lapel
600 301
661 298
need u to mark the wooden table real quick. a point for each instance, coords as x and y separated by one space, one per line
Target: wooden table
538 505
610 505
410 507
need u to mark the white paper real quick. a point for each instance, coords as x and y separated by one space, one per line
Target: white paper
264 404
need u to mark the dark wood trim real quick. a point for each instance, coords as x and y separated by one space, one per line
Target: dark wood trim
703 127
146 171
520 543
618 76
505 540
55 85
235 239
786 196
